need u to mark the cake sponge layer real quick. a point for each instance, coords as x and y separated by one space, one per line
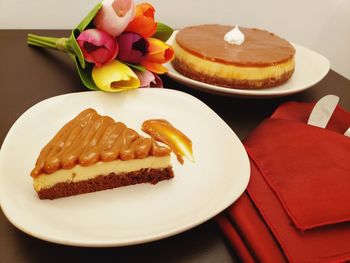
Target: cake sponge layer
81 173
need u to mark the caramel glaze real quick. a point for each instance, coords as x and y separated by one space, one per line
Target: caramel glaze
260 48
90 138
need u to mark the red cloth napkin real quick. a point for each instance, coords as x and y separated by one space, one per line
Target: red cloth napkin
307 167
297 194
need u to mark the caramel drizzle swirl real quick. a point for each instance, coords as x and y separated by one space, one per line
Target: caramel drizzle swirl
90 138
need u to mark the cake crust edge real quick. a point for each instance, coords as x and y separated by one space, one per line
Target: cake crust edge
104 182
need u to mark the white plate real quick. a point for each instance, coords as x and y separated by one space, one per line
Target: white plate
310 68
132 214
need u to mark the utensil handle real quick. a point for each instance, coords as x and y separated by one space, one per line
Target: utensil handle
347 133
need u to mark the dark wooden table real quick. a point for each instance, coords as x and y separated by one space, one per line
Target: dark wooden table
29 75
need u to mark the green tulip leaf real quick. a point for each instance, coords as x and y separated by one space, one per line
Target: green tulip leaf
85 74
163 32
138 67
86 21
74 48
72 43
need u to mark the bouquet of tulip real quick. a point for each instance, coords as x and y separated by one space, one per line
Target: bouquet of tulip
118 46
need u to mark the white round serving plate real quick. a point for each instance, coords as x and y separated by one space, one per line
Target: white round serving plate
310 68
132 214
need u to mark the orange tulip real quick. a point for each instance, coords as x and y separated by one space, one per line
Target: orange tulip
158 53
143 22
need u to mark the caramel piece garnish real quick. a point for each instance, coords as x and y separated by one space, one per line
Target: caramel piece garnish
162 131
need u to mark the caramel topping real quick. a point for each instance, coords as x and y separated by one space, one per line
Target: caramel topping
163 131
260 48
90 138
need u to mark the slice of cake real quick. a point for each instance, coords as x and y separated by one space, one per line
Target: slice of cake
260 60
92 153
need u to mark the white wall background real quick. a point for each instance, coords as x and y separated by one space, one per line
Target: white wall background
322 25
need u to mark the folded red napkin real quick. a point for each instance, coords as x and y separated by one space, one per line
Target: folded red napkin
307 167
298 192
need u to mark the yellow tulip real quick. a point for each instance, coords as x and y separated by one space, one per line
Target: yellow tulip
115 76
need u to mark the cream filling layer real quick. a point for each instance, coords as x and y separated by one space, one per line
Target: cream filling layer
82 173
229 71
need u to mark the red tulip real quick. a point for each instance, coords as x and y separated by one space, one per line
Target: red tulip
132 48
97 46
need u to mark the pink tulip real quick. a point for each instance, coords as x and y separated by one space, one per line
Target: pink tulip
97 46
114 16
132 47
148 79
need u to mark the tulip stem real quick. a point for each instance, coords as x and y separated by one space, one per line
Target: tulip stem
48 42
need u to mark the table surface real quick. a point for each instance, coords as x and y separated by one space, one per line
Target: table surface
30 75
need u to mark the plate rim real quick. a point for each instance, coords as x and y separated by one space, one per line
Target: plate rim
249 93
129 241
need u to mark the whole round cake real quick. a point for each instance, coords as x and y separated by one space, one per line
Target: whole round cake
263 60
